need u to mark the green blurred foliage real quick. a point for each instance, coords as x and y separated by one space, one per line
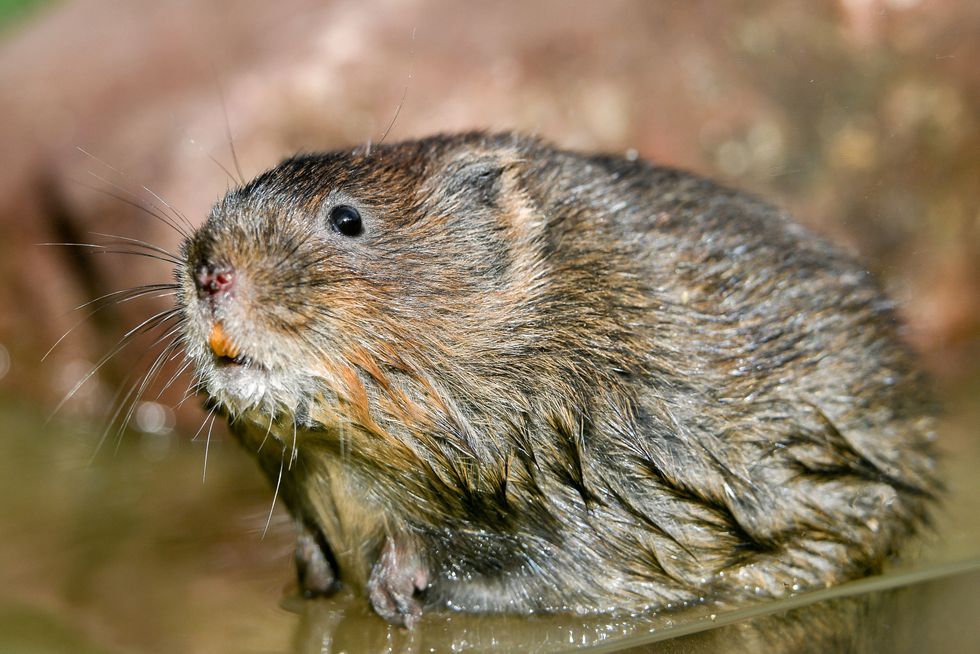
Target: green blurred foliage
11 10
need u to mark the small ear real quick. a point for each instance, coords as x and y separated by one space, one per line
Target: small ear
475 180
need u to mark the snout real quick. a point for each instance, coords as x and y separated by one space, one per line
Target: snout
214 281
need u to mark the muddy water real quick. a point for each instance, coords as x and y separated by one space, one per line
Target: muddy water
135 551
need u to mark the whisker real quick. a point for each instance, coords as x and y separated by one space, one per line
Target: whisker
134 293
192 389
129 294
108 249
267 432
176 375
231 141
275 494
119 401
136 392
135 198
210 414
213 159
151 374
136 388
152 322
207 446
138 253
176 213
401 102
398 110
159 319
136 202
295 452
105 249
140 243
168 206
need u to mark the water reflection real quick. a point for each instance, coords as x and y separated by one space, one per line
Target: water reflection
900 612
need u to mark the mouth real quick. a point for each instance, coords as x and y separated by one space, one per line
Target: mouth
234 379
224 361
243 384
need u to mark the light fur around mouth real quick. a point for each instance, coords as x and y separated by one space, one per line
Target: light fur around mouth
251 387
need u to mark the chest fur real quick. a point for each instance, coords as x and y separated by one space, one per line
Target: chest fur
320 487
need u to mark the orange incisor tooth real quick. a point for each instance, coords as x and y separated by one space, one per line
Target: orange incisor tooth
220 343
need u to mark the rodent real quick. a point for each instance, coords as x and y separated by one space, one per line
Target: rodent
487 374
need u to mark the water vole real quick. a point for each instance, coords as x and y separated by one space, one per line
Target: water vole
491 375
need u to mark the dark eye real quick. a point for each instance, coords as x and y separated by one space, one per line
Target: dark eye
346 220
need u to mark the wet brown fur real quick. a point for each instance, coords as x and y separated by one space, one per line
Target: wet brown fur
549 381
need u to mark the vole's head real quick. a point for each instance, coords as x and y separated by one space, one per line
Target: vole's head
341 264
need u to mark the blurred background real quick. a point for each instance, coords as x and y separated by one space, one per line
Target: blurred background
861 117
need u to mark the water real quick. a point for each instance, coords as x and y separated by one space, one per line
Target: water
132 552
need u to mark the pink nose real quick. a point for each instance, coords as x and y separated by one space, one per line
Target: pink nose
213 280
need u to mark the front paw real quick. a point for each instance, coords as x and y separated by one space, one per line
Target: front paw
315 566
397 580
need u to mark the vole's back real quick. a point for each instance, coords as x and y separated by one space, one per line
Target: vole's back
539 380
755 423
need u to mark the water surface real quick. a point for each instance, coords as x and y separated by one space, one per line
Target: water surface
135 552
